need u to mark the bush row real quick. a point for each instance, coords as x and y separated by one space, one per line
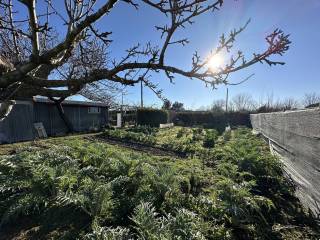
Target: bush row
151 117
212 119
217 120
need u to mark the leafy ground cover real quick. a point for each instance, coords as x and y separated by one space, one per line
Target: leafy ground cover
75 188
180 139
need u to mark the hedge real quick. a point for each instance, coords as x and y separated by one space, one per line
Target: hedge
217 120
151 117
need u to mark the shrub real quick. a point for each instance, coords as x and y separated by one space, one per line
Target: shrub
197 134
226 136
184 225
151 117
145 129
130 136
181 132
210 138
216 120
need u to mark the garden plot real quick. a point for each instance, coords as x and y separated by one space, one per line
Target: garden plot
182 140
77 188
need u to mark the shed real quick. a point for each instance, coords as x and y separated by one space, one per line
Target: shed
19 124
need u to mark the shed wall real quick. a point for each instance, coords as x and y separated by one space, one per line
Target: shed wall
18 125
78 115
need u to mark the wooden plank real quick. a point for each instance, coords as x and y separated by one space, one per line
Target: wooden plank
41 131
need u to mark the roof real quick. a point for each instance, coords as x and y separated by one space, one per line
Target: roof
71 102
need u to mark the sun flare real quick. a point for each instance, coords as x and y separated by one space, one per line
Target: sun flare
215 62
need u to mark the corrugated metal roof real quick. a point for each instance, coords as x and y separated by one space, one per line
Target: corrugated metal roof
71 102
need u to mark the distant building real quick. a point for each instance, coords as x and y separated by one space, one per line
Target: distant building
19 124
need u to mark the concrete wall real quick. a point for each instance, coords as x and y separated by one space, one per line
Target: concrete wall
295 137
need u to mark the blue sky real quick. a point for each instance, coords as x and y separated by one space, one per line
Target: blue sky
300 18
300 75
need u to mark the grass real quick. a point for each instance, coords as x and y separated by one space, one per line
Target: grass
74 188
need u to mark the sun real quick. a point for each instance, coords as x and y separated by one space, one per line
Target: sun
215 62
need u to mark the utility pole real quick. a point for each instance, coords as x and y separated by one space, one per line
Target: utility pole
123 111
227 99
141 92
226 113
122 102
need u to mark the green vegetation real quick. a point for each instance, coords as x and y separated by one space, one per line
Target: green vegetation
218 120
73 188
179 139
151 117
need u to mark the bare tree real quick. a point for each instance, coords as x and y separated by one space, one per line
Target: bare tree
270 105
105 92
289 104
218 105
270 102
243 102
310 99
36 60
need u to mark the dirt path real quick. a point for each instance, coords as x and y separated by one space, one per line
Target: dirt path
138 147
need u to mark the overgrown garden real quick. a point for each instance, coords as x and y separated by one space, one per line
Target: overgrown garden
84 188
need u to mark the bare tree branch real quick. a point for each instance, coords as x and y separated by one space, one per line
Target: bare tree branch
34 57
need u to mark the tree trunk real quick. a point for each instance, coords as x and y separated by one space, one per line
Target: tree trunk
5 109
64 117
